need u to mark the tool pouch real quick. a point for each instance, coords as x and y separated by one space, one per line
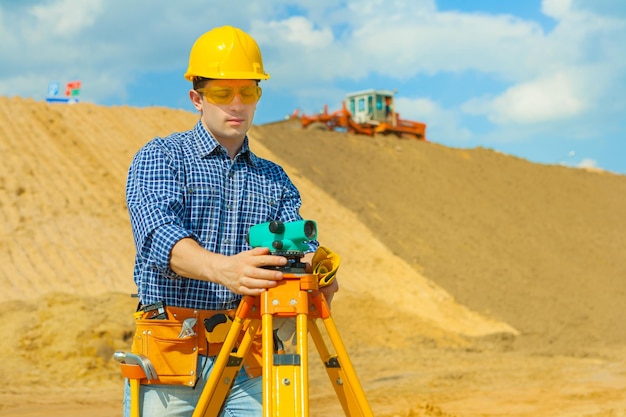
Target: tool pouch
174 351
174 359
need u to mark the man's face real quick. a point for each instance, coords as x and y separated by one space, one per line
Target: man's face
227 107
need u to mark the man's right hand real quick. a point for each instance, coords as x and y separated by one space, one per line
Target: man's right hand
243 273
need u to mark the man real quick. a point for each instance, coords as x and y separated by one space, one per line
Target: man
192 198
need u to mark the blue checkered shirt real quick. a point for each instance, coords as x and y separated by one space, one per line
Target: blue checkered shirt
185 185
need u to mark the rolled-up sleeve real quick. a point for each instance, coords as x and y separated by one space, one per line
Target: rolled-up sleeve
154 195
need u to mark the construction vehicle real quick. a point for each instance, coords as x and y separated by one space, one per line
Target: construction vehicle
367 112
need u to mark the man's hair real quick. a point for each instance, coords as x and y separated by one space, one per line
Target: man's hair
199 82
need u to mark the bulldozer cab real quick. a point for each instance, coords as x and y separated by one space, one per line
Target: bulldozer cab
371 106
368 112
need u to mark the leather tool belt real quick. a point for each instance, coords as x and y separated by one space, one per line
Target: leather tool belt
173 344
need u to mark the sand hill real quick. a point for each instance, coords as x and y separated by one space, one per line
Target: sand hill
473 283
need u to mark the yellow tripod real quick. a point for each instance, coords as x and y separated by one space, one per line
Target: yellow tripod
285 376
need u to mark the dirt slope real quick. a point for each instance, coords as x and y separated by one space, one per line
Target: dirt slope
62 194
458 267
539 247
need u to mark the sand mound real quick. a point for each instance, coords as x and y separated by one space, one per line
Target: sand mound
538 247
458 266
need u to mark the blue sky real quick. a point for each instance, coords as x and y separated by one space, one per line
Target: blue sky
542 80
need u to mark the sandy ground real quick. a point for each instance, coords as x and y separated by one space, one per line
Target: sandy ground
473 283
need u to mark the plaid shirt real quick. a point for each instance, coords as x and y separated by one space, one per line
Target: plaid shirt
185 185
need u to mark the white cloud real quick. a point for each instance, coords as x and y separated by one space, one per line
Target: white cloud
557 9
585 163
588 163
443 124
544 99
578 72
400 40
414 40
66 17
107 45
299 31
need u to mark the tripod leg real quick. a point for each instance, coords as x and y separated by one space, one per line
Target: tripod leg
227 364
285 376
268 361
302 337
134 397
338 366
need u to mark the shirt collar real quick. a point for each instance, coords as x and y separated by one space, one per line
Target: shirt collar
208 145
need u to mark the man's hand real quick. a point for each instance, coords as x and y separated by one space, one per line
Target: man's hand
242 273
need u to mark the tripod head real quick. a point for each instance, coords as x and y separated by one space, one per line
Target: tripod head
284 239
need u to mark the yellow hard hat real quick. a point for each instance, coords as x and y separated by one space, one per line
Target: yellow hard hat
226 53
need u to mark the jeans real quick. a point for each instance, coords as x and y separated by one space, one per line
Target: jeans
244 400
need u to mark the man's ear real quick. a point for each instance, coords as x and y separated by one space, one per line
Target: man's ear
196 99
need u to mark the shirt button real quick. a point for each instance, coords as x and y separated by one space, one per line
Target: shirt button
227 241
229 206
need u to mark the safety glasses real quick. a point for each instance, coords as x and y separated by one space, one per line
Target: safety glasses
224 95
